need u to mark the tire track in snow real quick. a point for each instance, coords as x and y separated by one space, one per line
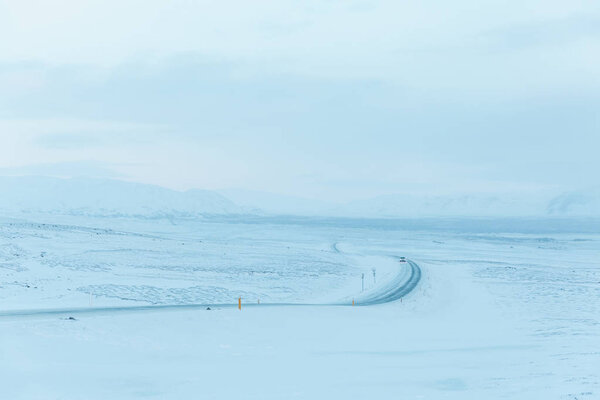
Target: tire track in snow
335 248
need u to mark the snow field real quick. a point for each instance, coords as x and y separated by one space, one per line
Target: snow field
496 316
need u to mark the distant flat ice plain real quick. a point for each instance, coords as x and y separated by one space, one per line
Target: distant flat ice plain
500 312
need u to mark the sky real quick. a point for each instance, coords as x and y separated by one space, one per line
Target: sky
319 99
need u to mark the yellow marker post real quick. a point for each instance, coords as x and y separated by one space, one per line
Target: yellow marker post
239 303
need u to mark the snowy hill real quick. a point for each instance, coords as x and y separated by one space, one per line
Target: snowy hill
534 204
577 203
102 197
404 205
397 205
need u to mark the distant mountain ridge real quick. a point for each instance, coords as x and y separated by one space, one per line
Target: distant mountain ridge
580 203
104 197
405 205
576 203
535 204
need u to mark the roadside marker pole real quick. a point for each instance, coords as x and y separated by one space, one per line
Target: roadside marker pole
363 282
352 301
239 303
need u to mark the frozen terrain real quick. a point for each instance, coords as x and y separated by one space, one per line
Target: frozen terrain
503 309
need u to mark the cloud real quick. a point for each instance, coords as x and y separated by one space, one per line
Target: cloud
460 45
89 169
319 98
72 133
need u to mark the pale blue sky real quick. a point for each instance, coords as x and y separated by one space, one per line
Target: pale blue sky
329 100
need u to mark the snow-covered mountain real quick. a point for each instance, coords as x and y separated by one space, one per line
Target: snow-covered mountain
533 204
405 205
543 204
103 197
399 205
577 203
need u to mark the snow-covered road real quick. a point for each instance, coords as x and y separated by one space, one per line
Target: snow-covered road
403 282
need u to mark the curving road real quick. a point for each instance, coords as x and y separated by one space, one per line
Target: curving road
403 283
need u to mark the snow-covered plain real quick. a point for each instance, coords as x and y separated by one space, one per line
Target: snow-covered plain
503 310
